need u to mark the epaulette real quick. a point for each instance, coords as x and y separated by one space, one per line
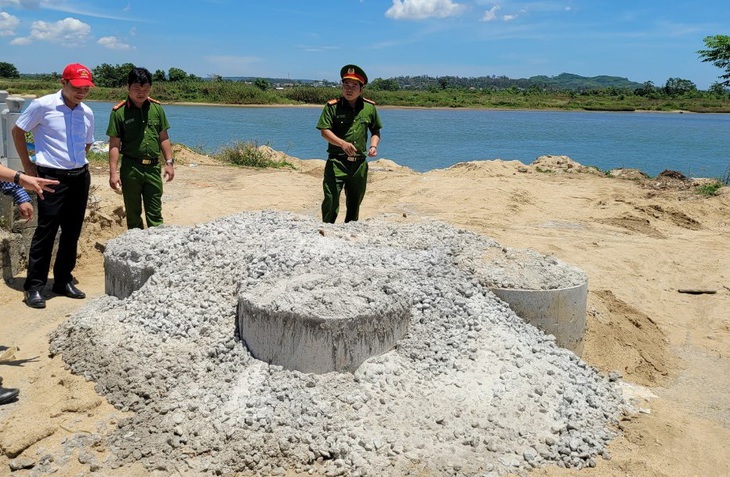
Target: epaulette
368 100
153 100
119 105
332 101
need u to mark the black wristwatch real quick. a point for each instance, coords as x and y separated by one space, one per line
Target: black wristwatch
16 179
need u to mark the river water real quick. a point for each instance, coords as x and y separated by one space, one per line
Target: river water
697 145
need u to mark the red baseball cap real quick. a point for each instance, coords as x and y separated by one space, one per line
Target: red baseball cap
78 75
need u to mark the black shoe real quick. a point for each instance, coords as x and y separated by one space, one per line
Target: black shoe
34 299
8 395
68 290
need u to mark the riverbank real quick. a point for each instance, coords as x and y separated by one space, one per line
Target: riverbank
640 241
239 93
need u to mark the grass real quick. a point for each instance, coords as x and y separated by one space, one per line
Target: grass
710 189
227 92
98 158
248 154
544 171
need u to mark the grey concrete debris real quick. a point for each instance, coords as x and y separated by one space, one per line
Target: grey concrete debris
471 389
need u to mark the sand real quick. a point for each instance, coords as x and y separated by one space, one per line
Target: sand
639 240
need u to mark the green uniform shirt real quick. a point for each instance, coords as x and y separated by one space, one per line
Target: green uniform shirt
350 124
138 128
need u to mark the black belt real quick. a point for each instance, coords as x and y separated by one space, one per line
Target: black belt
142 160
50 171
345 157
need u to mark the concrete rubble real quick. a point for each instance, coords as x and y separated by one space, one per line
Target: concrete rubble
469 389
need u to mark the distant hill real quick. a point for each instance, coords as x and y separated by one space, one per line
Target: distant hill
563 81
571 81
251 79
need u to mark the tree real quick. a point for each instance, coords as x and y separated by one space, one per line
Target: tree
261 84
8 70
380 84
110 76
159 75
718 53
679 86
176 74
718 89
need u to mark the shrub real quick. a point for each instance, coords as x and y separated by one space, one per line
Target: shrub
709 189
249 154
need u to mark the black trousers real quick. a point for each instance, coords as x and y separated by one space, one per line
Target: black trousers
65 209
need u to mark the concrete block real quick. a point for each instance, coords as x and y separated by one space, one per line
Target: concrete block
123 276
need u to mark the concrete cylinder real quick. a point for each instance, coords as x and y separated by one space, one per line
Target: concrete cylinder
3 143
14 106
561 312
309 324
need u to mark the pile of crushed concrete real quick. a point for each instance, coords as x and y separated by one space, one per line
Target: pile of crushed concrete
471 389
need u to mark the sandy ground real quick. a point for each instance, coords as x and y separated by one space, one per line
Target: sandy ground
640 241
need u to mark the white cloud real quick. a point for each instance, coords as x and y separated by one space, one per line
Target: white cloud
29 4
66 32
73 8
113 43
422 9
20 41
8 24
490 14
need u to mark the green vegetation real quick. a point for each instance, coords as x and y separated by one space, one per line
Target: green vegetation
718 53
240 93
544 171
562 92
709 189
98 158
8 70
248 154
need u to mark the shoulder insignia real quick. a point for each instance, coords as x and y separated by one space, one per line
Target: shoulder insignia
333 101
153 100
368 100
119 105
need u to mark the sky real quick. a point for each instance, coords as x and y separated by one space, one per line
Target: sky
642 40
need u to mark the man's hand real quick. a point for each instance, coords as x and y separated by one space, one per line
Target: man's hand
169 173
349 148
36 184
26 210
114 182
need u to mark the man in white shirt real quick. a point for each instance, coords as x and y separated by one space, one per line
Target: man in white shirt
63 131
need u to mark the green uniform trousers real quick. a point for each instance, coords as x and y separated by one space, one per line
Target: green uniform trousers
353 176
141 184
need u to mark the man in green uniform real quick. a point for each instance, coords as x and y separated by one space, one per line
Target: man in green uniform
138 131
344 124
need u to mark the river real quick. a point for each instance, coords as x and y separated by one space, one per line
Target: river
697 145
